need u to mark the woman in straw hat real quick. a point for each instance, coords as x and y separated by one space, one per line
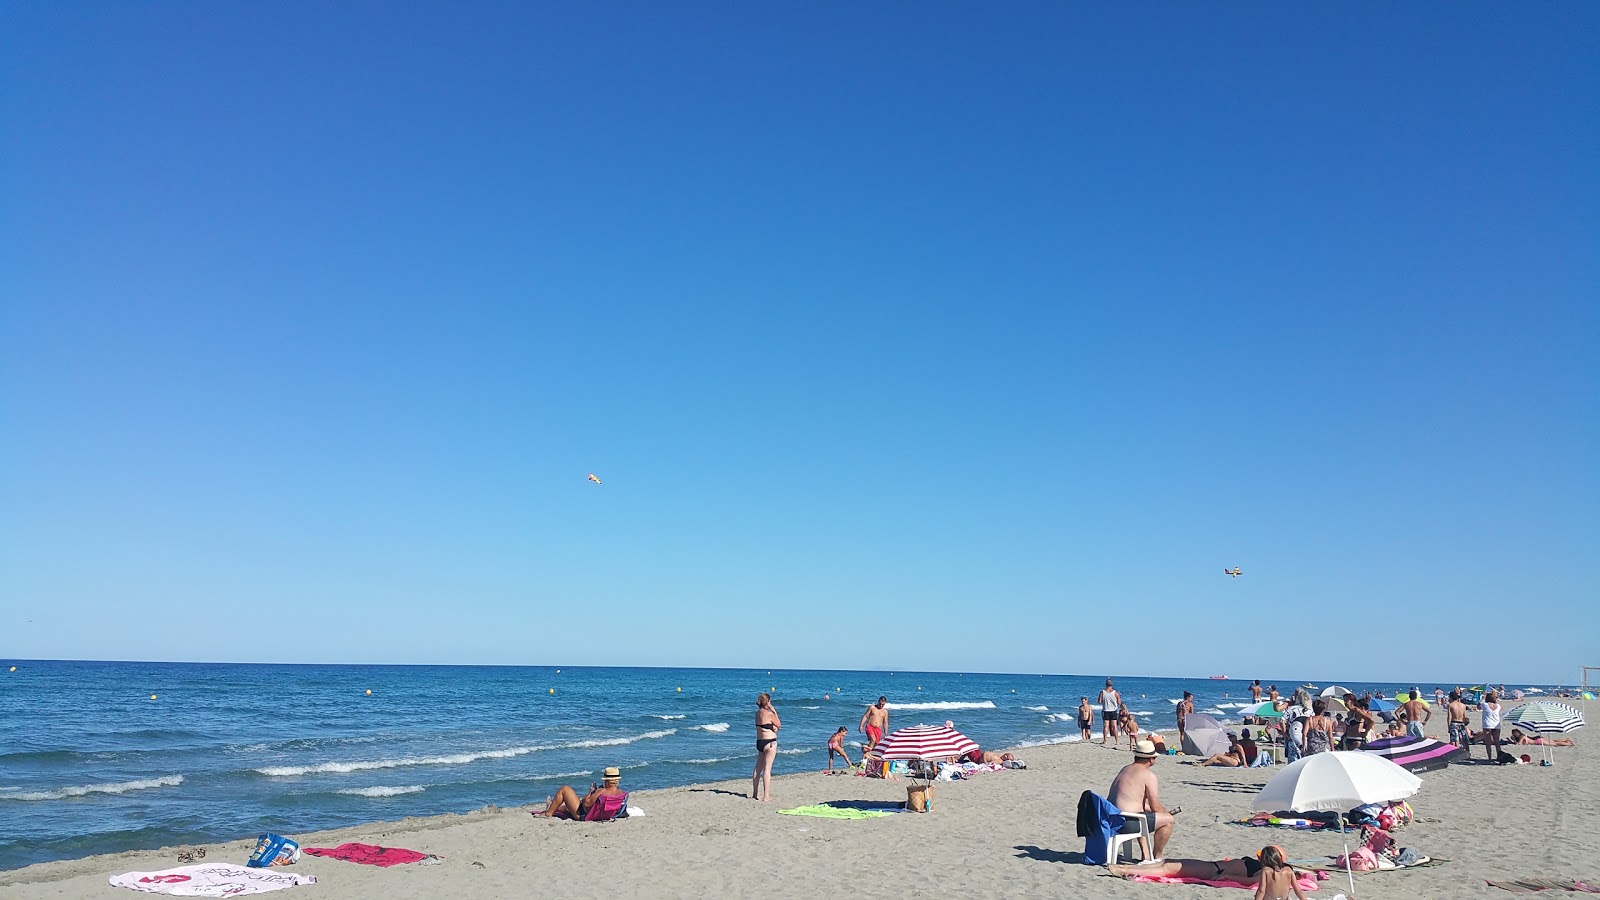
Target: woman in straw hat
566 804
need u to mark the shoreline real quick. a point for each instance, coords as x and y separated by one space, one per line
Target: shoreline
998 834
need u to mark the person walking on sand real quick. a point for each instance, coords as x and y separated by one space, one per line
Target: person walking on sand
1456 716
1085 719
1417 713
1491 725
1134 791
1185 709
836 745
875 722
1110 713
767 726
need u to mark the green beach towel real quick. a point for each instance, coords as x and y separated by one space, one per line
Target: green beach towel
824 811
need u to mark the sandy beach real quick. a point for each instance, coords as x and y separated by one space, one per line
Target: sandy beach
1001 834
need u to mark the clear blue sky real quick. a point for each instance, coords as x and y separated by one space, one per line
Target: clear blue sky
907 335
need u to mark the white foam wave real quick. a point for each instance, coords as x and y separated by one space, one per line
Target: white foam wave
714 727
792 751
1038 708
83 790
1065 739
951 704
1143 712
1063 717
456 759
706 762
667 718
810 707
381 791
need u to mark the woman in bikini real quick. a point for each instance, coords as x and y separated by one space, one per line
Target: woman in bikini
1279 880
1517 737
1244 871
767 726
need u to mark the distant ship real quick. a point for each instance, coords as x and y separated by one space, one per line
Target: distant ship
1219 678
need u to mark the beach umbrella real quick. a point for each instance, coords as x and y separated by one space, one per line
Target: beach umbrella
1546 716
1406 698
1414 754
1338 780
1262 710
1203 736
1336 691
926 742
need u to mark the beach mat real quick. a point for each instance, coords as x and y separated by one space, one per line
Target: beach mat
367 854
210 880
1307 882
1535 885
836 811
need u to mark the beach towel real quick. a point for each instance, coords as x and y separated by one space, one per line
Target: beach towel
1532 885
368 854
1307 881
824 811
210 880
1329 865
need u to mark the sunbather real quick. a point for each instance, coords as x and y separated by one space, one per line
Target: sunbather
1245 870
1517 737
566 804
1232 758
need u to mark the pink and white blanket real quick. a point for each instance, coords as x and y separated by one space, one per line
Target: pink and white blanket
210 880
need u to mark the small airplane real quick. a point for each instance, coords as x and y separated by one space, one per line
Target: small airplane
593 478
1235 571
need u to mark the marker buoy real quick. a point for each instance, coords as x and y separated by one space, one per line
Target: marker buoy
919 687
680 690
369 692
13 668
552 690
1013 690
152 696
558 671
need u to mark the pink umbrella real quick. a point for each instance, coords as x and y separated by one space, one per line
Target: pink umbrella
926 742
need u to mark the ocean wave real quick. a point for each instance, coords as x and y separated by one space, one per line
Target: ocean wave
1063 717
707 762
794 750
714 728
457 759
948 704
1037 708
383 791
80 790
810 707
667 718
1045 742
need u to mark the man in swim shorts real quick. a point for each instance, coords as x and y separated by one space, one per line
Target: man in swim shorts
1110 714
875 721
1134 792
1085 718
1416 713
1457 712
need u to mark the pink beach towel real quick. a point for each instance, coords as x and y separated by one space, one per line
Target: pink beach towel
367 854
1308 882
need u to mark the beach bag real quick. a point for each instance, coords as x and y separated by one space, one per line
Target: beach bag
273 850
919 798
1359 860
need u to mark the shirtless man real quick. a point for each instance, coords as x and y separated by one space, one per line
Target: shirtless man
875 722
1416 712
1185 710
1255 691
1110 714
1085 718
1456 712
1134 791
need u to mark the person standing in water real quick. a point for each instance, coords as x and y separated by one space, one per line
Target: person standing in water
767 726
1085 718
1110 714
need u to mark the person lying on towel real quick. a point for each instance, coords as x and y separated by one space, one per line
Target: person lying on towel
566 804
1279 883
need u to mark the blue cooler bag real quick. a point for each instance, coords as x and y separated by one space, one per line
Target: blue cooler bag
274 850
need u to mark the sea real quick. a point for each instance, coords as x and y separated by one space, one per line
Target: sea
99 757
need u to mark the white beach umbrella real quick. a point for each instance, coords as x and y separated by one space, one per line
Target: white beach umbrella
1336 781
1336 691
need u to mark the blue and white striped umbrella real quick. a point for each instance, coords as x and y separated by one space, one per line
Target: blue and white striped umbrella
1545 716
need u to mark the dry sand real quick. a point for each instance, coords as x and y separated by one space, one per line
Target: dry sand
1002 834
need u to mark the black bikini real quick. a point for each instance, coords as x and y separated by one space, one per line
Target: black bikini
764 743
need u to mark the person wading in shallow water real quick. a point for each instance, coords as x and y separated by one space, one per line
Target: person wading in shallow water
875 722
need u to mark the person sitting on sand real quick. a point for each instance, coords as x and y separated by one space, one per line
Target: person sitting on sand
836 745
1517 737
1396 729
1231 758
567 805
1247 747
1134 790
1244 871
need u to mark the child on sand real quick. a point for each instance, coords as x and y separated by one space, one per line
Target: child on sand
836 745
1278 878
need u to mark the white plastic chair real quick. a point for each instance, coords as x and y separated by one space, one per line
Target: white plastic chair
1114 852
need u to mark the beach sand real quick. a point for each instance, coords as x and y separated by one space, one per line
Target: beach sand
1001 834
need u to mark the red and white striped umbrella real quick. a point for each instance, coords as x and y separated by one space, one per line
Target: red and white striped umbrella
925 742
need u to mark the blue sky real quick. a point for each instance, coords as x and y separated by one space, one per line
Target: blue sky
912 335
